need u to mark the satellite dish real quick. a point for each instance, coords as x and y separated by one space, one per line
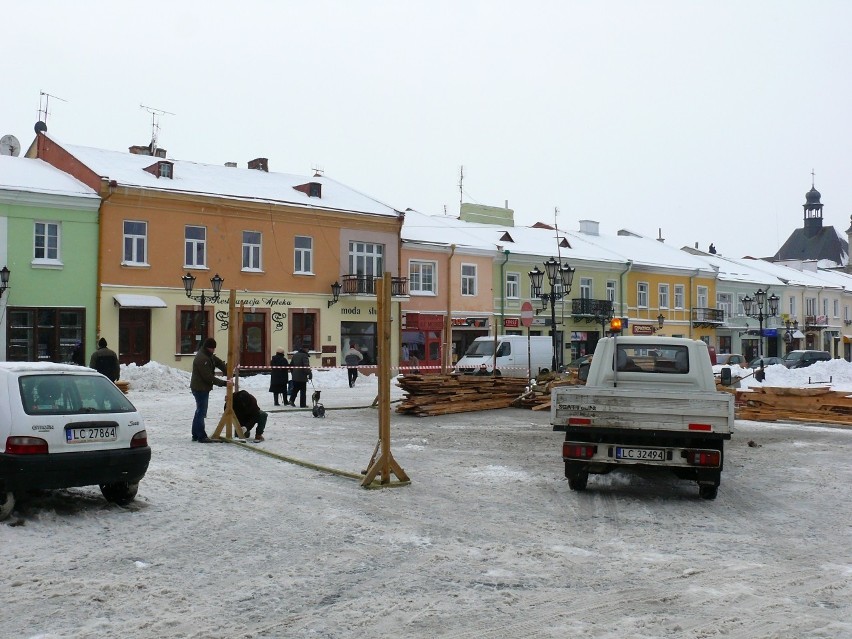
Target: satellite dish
9 145
40 127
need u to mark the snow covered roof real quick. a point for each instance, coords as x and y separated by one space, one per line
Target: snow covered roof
36 176
128 169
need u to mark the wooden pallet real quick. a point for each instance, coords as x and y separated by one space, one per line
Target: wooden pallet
815 404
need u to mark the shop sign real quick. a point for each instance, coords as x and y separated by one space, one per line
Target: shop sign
424 321
470 322
511 322
643 329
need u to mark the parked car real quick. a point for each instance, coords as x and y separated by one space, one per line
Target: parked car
800 359
730 359
63 426
767 361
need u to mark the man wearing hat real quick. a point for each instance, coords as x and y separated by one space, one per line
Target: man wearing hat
279 376
201 383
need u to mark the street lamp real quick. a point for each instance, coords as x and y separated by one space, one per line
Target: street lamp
760 300
4 280
661 320
216 283
335 293
791 327
557 274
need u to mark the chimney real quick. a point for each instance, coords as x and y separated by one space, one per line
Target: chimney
261 164
232 165
589 227
660 237
141 150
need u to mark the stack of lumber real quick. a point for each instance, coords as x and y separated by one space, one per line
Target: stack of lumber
538 397
443 394
817 404
123 386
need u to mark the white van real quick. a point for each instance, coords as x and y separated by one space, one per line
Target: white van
513 359
63 426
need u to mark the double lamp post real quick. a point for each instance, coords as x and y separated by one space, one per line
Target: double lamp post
560 277
753 307
203 299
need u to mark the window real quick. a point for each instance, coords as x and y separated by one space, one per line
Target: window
513 286
164 169
468 279
303 254
793 307
810 306
703 295
679 294
642 294
303 329
663 294
135 242
610 290
825 307
586 288
740 307
366 259
421 278
191 331
44 334
195 246
251 250
724 302
46 241
836 308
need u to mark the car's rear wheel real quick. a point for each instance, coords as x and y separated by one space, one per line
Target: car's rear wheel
7 505
121 493
707 492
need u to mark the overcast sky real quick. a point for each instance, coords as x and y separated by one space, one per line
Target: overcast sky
699 120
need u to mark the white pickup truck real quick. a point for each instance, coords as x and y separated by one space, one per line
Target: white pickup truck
648 402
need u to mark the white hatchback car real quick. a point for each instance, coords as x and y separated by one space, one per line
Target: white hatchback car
65 426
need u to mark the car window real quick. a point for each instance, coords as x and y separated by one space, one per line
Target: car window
71 394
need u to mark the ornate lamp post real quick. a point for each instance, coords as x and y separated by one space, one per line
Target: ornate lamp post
661 319
791 327
4 280
760 300
203 299
561 274
335 294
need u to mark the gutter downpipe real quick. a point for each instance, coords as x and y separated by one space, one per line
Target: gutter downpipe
447 360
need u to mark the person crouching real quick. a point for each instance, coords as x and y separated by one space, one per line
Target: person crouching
249 414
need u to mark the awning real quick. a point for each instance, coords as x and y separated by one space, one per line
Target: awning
138 301
798 335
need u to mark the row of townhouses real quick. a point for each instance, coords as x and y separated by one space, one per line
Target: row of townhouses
146 251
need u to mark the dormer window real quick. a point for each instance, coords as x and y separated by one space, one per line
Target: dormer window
311 189
162 169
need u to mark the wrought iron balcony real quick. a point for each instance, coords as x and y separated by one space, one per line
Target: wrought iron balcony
708 317
366 285
589 310
815 322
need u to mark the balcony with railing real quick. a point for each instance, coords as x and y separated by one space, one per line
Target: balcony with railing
367 285
592 311
815 322
707 317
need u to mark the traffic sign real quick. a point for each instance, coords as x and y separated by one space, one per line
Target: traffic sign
527 314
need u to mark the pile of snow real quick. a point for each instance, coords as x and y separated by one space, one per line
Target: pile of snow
836 373
159 378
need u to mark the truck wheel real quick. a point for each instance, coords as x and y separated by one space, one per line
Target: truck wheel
121 493
7 505
707 492
578 480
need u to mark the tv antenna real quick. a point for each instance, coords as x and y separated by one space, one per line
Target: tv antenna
317 169
43 103
461 188
155 124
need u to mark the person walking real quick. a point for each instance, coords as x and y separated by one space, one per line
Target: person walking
249 414
105 361
202 382
353 358
278 376
300 373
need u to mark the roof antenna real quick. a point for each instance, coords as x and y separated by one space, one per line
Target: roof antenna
43 102
461 182
155 125
318 170
812 178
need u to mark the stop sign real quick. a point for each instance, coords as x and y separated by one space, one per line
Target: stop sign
527 314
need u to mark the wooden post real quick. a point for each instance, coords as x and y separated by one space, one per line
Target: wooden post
229 420
382 461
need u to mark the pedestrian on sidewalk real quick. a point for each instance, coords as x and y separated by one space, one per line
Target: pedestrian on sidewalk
353 358
278 376
300 373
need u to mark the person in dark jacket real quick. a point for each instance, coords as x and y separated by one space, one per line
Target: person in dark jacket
279 376
201 383
105 361
249 414
300 372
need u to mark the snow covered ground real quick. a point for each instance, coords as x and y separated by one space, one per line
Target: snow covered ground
487 541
